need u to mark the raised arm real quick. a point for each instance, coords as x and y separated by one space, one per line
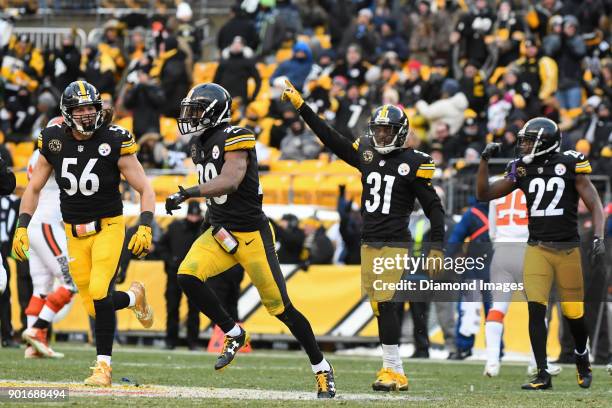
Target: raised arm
499 188
330 137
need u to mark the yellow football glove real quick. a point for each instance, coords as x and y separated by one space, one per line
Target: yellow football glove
21 244
141 241
435 262
292 95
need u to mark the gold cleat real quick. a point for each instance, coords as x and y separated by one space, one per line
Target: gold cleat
101 376
389 380
142 310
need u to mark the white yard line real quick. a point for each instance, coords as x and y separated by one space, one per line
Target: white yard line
162 391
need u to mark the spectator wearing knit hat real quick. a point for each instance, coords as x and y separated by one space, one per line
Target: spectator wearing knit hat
171 70
568 49
297 68
449 109
362 33
235 69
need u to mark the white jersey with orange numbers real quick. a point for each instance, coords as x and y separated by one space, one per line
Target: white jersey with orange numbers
508 218
48 209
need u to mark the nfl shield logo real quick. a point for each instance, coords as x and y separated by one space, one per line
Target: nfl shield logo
80 148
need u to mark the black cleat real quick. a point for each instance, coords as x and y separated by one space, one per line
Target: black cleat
231 345
459 355
584 375
542 381
326 385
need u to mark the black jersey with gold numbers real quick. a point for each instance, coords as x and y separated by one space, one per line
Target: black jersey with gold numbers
391 182
86 170
549 184
240 210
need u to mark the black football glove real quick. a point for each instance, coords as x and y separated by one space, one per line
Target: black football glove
174 201
490 150
598 250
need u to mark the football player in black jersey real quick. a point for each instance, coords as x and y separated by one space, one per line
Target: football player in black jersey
240 233
89 156
392 176
552 181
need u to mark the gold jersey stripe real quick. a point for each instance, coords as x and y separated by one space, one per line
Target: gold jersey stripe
133 148
586 169
426 174
245 145
243 139
238 137
356 144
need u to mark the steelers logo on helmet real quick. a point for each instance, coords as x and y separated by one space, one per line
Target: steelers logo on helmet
205 107
387 129
81 107
538 137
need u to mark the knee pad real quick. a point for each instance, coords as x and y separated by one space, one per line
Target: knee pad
34 306
58 299
495 316
572 310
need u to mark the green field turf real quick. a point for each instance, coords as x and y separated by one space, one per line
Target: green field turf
432 383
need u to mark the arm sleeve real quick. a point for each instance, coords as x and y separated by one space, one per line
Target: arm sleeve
331 138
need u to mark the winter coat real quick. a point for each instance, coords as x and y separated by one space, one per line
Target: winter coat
450 110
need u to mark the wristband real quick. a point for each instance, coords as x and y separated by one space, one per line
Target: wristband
192 192
23 220
146 218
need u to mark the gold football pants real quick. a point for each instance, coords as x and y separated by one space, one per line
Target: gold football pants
94 260
542 265
255 253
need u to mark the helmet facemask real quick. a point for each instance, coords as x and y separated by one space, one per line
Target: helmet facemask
386 137
195 118
86 124
529 154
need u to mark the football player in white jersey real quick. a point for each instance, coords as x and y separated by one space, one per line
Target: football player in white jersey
48 262
508 230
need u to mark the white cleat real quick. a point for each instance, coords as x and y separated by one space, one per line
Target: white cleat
30 353
553 369
492 369
37 338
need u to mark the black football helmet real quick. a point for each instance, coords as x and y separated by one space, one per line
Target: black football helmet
81 93
387 129
206 106
542 134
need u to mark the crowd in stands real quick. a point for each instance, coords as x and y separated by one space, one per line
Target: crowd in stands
466 72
